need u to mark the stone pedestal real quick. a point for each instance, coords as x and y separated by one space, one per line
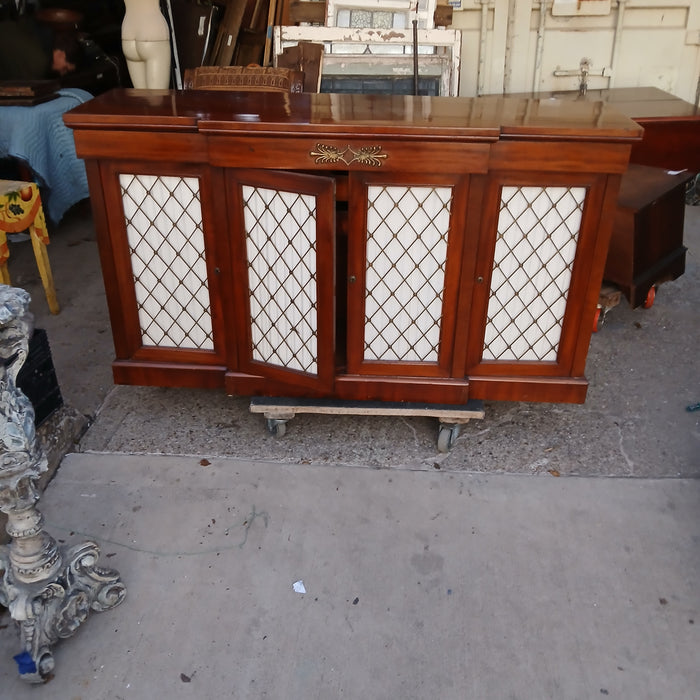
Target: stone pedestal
49 590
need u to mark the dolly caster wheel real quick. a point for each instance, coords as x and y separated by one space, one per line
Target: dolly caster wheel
277 427
447 436
651 296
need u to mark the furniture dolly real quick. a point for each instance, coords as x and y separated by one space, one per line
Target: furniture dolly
279 410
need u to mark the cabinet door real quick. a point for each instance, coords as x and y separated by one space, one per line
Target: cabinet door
161 273
538 274
536 243
405 248
284 270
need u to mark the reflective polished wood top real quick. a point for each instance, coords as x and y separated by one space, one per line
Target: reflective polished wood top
671 125
487 118
638 103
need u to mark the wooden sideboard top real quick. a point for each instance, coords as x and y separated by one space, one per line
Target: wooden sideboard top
268 114
671 125
639 103
648 103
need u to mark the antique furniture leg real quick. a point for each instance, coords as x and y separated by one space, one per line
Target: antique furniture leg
4 255
39 239
49 590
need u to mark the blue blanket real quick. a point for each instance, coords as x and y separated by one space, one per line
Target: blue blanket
38 136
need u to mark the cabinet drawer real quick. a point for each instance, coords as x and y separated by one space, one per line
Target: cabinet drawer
339 154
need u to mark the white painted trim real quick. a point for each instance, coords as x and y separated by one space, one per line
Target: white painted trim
448 39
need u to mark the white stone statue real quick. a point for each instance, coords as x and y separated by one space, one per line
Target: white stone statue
48 589
146 44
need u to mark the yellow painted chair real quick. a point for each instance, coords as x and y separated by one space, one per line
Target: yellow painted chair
21 210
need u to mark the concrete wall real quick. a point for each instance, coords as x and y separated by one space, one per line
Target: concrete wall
518 45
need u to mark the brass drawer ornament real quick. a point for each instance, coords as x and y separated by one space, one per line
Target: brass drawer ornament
367 155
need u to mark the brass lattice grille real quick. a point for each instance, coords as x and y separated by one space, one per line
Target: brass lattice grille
166 244
281 249
407 230
535 249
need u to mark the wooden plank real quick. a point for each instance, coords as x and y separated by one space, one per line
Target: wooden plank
257 15
442 17
303 11
272 11
287 407
227 35
306 57
250 47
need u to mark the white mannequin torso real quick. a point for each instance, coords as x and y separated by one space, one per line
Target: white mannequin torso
146 44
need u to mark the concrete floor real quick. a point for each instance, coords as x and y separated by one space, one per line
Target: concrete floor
419 585
476 574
